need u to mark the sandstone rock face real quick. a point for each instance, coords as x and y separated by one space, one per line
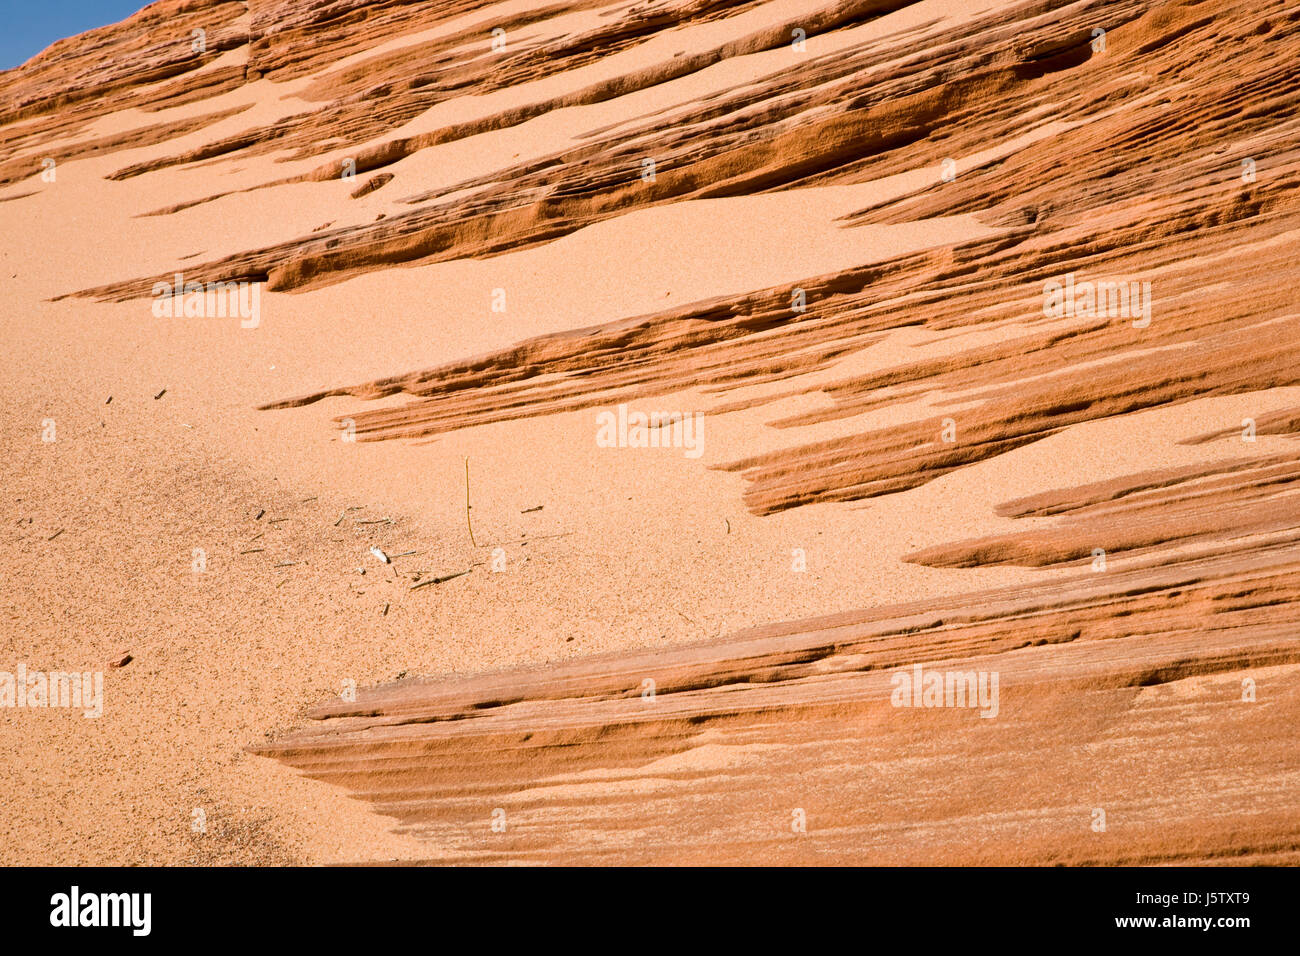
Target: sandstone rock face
1075 219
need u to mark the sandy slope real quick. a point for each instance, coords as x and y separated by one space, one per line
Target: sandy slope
822 429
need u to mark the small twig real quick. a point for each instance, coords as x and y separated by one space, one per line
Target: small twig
377 521
340 521
468 523
55 535
253 551
385 610
441 580
528 511
260 512
286 564
160 395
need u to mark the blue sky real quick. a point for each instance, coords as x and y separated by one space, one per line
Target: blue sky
28 26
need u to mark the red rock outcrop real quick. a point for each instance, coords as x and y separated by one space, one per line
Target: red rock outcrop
1148 145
